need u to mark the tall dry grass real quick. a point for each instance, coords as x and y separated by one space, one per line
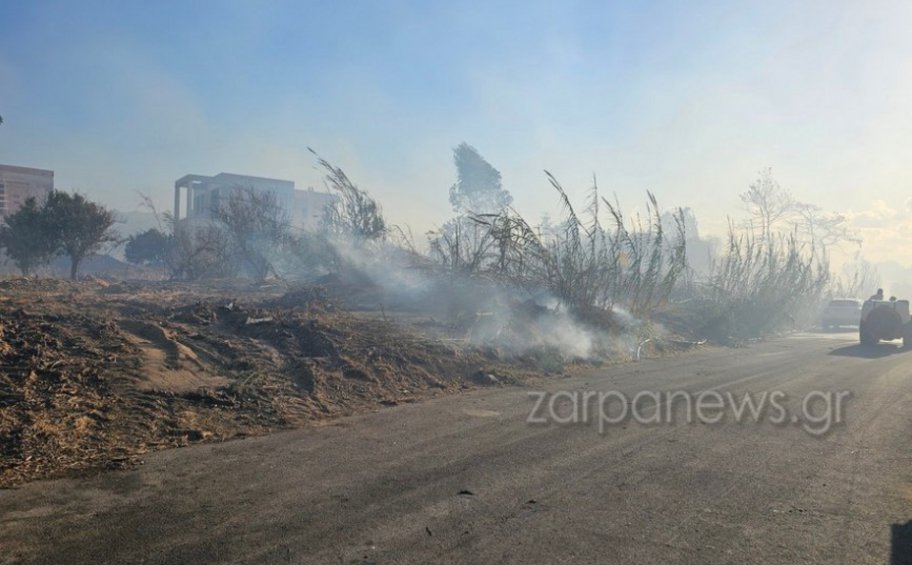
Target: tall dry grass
588 266
759 285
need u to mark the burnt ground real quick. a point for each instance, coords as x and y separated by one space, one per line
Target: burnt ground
93 375
465 478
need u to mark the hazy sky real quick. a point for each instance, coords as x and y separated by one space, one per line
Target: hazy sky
687 99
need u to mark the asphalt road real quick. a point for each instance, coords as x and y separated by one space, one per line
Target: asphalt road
385 487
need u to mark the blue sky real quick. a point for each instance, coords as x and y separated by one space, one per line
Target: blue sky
687 99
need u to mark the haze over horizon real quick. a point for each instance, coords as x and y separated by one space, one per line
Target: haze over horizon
689 101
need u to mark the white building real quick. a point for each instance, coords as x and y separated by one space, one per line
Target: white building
196 197
310 207
18 184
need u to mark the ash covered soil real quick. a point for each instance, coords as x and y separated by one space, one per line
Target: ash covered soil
93 374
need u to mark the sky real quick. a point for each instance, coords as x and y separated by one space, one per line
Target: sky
686 99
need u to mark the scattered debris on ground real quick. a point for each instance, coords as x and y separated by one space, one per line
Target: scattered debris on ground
93 375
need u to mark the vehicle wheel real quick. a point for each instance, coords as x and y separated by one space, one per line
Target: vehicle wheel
865 336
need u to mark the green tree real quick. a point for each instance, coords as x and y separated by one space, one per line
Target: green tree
150 247
28 238
82 226
477 189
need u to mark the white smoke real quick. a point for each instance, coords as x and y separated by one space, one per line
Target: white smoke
486 314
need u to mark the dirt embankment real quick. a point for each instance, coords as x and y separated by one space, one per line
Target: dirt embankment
94 375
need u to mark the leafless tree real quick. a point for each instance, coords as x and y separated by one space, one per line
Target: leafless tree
257 227
768 203
858 277
200 253
822 229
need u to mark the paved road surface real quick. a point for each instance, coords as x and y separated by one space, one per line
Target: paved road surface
384 487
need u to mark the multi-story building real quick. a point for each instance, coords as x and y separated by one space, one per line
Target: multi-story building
197 197
18 184
310 207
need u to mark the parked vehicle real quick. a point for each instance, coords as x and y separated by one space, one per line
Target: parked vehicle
841 312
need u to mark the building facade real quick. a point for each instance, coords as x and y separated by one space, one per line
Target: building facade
18 184
197 197
310 208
